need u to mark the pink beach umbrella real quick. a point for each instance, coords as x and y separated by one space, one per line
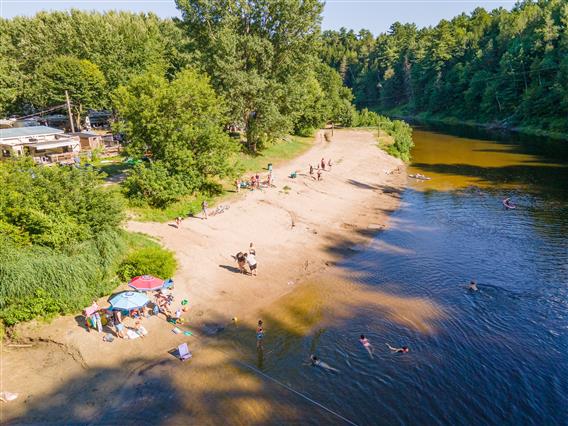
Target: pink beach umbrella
146 283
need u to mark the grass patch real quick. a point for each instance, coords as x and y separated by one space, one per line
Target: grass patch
276 153
187 206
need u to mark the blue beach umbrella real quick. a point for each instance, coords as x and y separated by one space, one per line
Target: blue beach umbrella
128 300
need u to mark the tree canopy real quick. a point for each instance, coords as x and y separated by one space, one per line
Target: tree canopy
83 80
259 54
54 207
120 44
179 124
498 66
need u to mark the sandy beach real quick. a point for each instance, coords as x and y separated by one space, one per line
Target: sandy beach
300 228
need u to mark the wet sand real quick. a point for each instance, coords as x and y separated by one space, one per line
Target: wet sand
300 229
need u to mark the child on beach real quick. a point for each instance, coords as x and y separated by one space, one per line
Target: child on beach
251 260
251 249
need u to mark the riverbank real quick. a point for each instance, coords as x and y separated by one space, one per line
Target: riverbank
428 119
299 229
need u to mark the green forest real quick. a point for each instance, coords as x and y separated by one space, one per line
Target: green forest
502 68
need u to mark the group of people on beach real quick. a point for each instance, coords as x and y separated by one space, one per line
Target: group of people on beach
116 320
256 181
247 258
320 167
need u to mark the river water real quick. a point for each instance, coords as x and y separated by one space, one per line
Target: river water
498 356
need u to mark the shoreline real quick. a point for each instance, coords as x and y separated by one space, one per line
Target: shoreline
297 232
495 127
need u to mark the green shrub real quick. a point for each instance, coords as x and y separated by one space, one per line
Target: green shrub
306 132
155 185
154 261
40 304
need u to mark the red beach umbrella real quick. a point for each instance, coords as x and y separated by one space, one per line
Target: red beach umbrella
146 283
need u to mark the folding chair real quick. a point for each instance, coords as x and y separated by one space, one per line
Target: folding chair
183 352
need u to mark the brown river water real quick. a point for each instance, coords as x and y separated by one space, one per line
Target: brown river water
495 357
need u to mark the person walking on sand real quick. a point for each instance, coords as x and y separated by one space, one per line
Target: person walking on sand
311 170
204 206
238 185
178 221
319 174
251 260
241 261
323 164
257 178
329 164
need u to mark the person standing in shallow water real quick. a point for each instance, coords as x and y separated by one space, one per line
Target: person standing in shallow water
259 333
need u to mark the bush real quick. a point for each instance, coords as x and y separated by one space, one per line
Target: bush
155 261
155 185
403 143
306 132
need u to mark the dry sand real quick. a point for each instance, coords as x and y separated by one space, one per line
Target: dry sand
299 229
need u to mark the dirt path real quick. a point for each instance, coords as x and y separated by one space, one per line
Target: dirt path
298 228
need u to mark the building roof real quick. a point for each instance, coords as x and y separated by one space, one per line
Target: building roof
85 134
41 146
19 132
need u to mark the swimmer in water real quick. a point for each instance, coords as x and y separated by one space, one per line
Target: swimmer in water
472 286
365 342
401 350
316 362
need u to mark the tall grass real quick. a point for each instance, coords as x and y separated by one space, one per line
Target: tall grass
39 281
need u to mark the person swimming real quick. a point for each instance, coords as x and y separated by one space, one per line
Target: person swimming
316 362
366 344
401 350
508 203
472 286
